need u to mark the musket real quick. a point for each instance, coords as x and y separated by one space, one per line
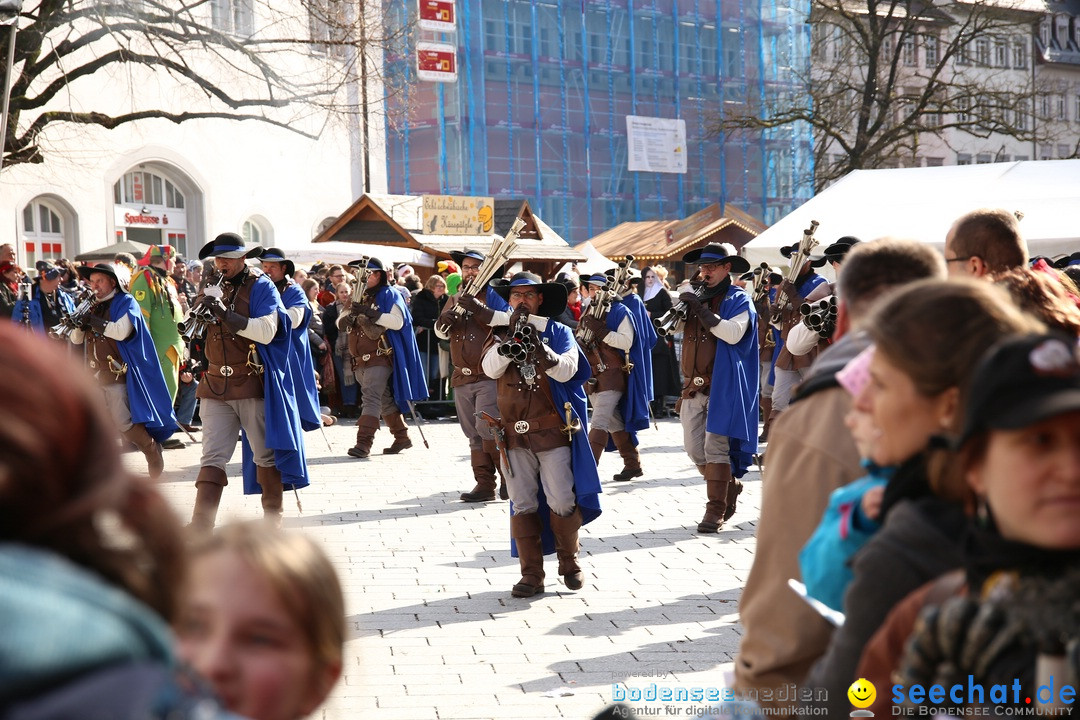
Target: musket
798 259
500 252
500 441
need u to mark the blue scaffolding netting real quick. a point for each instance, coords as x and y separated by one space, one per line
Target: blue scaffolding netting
544 87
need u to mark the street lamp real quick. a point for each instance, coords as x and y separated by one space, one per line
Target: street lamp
9 15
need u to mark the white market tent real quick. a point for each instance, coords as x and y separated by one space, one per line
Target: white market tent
923 203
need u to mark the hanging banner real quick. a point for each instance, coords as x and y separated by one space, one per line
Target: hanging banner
438 15
458 215
436 62
656 144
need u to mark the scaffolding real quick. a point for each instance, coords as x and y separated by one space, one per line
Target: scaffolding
544 87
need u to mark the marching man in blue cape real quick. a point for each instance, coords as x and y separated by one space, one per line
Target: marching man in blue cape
385 358
122 357
541 435
718 406
614 344
247 386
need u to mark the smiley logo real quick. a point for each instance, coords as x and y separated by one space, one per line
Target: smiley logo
862 693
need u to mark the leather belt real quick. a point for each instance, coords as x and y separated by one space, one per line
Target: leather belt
547 422
466 371
228 370
698 381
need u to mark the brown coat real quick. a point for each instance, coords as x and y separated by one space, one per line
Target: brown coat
810 454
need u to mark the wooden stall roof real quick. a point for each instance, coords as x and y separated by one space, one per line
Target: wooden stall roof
657 240
397 220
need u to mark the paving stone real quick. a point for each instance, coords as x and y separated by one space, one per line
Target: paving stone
433 631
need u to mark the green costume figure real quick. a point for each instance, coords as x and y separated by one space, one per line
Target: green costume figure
156 294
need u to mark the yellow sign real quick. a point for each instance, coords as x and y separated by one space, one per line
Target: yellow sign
458 215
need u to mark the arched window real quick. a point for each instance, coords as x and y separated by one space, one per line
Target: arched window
252 232
43 232
142 187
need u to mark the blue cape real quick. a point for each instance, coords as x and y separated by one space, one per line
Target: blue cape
301 366
733 396
634 406
586 480
647 332
494 301
409 382
148 396
37 320
284 434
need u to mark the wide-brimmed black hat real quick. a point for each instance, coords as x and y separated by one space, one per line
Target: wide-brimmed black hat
276 255
228 245
814 260
1023 380
460 255
1067 260
554 293
718 253
372 263
119 273
836 251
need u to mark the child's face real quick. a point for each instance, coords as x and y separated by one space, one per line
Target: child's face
236 633
861 425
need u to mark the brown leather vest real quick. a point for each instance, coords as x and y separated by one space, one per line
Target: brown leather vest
612 377
698 352
519 402
469 340
103 353
229 357
365 351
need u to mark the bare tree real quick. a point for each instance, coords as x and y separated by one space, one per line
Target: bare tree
888 78
295 64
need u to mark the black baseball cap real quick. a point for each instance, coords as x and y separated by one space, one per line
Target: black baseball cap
1023 380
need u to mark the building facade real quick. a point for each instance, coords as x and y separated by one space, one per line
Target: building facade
155 181
544 89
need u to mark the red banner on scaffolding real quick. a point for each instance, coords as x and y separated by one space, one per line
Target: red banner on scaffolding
438 15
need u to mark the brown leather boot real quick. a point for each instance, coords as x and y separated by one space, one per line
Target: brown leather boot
701 470
209 484
525 529
766 417
734 489
395 422
492 451
597 441
484 473
717 477
151 448
366 427
269 479
631 460
566 547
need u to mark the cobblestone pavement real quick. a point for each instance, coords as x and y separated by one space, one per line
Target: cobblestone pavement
433 630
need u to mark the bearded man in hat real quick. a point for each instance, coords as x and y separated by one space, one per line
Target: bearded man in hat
620 388
280 270
540 373
718 406
48 305
789 369
247 386
121 355
469 333
385 360
154 289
